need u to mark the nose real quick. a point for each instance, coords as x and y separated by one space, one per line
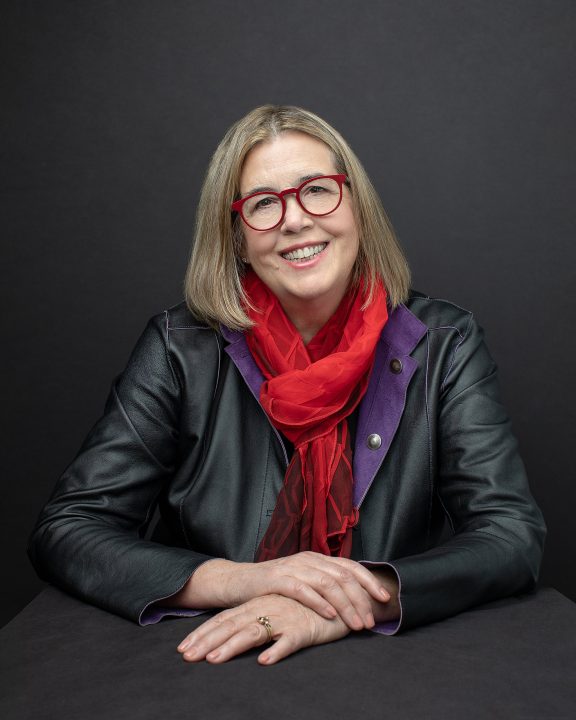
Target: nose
295 217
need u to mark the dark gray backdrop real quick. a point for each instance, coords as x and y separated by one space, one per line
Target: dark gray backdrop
461 112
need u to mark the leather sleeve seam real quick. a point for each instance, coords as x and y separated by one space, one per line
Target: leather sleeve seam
463 337
137 434
219 355
167 351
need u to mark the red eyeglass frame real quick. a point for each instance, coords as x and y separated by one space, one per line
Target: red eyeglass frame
237 204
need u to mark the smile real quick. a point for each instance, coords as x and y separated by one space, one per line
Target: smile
304 253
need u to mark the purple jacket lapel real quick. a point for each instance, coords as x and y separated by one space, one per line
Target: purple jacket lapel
383 404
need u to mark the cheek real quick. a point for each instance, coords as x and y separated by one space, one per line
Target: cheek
352 253
256 246
352 243
248 244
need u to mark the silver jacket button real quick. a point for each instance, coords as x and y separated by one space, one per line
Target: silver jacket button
396 366
374 441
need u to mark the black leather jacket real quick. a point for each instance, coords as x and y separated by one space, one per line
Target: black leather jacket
183 431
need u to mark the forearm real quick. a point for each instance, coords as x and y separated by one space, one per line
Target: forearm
111 568
469 569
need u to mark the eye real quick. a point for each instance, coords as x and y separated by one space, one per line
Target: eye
314 189
320 186
259 204
265 202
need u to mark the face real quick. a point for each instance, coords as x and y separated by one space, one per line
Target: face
320 279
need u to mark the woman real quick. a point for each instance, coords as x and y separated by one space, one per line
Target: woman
306 411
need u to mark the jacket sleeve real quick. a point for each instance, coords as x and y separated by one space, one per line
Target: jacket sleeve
88 537
497 529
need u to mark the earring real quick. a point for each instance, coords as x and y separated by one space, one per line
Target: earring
244 260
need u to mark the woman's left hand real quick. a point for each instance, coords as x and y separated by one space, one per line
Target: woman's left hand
234 631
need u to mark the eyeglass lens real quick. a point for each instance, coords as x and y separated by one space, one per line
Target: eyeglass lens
318 197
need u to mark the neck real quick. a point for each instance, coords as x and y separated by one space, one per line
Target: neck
308 317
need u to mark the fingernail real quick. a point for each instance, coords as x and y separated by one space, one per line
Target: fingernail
384 593
213 655
331 611
265 658
369 620
357 621
190 652
183 645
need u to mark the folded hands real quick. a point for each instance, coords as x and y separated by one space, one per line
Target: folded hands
308 598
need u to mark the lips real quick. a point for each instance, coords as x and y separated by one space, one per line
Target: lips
304 253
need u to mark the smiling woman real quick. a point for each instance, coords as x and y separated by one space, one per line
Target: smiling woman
306 425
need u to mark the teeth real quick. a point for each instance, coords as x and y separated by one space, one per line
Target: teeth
304 253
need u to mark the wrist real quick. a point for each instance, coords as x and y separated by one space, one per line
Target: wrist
206 588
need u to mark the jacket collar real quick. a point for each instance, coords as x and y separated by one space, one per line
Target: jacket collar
382 405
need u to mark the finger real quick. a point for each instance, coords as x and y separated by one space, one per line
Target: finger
300 589
337 587
329 586
197 635
286 645
341 588
208 637
250 636
366 579
349 598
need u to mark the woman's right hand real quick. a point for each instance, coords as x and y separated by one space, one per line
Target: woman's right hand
237 630
328 585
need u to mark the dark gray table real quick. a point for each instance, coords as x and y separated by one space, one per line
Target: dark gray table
516 658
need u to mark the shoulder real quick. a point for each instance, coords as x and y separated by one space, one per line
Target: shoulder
175 331
439 332
177 317
176 322
455 341
439 314
176 344
187 339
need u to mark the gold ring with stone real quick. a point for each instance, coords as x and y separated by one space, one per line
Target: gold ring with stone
265 621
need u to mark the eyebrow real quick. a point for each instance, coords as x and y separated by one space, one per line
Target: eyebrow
269 188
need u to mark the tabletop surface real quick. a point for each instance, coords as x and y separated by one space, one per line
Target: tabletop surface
516 658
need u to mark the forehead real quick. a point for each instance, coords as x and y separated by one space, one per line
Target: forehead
284 159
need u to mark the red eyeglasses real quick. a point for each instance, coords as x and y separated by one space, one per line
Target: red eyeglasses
317 196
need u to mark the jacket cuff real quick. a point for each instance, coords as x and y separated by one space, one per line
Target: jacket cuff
154 611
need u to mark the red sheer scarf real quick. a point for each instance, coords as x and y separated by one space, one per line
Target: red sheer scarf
309 392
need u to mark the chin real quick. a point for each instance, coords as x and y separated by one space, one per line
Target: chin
312 293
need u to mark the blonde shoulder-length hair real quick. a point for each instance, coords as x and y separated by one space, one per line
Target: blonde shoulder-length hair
213 284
